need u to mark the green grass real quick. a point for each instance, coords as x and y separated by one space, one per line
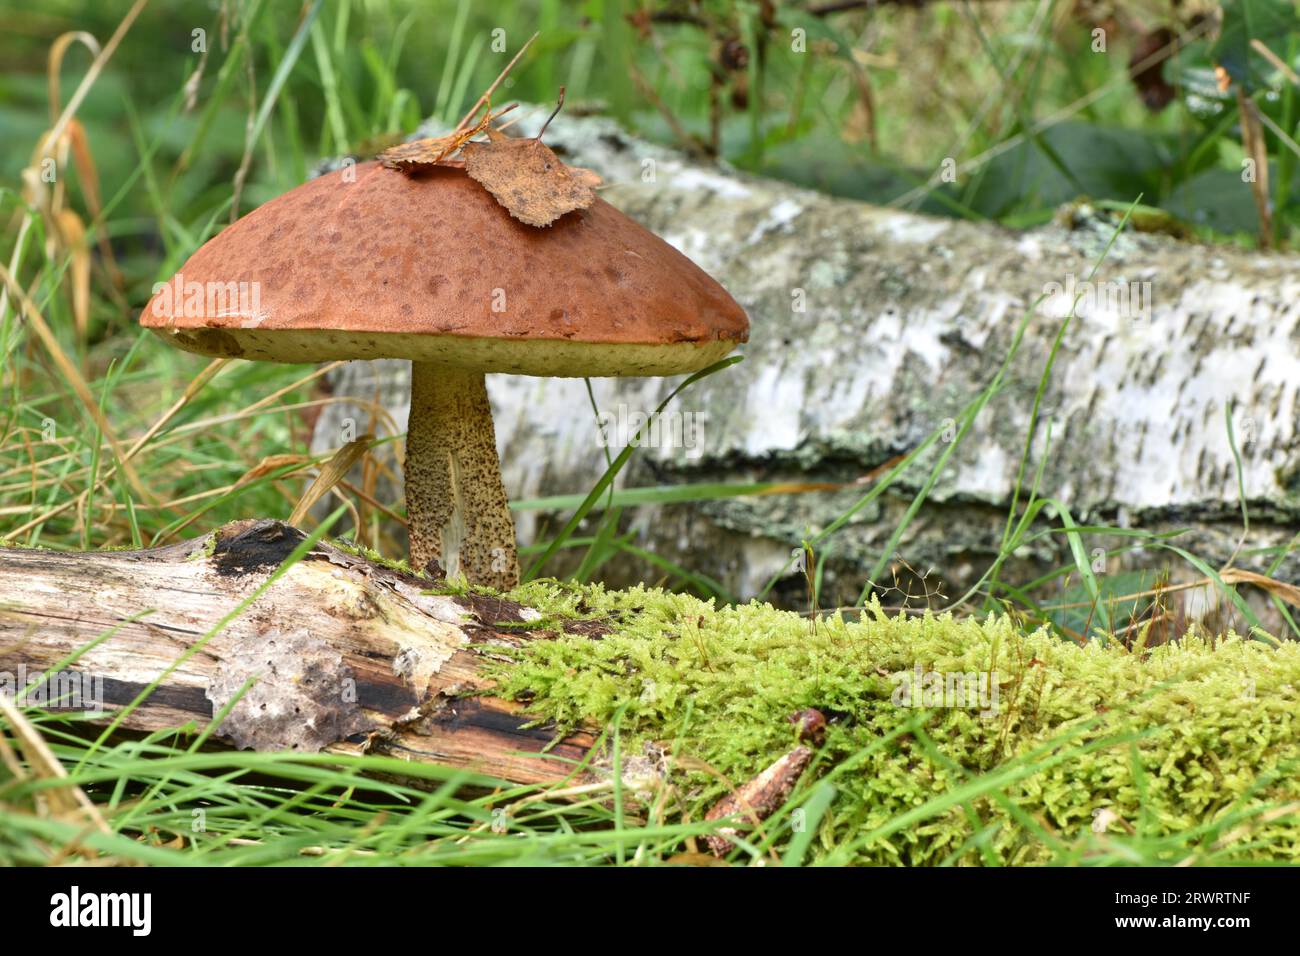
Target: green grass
109 438
1188 749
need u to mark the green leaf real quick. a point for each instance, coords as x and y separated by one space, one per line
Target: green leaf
1269 21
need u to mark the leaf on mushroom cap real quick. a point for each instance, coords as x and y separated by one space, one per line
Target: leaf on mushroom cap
356 264
432 151
420 152
588 176
528 179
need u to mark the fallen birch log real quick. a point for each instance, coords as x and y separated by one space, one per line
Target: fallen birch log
340 654
873 327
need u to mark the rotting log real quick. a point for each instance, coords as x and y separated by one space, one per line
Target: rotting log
344 655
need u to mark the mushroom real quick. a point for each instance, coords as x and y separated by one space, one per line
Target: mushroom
369 262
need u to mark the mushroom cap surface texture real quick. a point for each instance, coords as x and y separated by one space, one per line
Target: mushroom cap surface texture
370 262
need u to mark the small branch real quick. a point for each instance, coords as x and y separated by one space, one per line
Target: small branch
554 113
688 140
465 120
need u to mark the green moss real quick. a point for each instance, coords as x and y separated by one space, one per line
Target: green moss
359 551
206 550
1186 736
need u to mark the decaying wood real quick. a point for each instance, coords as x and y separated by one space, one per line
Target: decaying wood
758 798
343 655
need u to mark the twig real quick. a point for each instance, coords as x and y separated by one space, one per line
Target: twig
555 112
465 120
1277 62
693 143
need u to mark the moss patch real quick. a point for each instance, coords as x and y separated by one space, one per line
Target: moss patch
941 729
360 551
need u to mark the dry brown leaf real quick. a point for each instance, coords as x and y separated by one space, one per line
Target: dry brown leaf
73 234
587 176
421 152
335 470
269 464
528 179
1287 592
433 150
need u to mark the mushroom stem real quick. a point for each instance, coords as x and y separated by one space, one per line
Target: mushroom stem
456 503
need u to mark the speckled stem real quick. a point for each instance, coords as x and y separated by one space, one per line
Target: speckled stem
455 501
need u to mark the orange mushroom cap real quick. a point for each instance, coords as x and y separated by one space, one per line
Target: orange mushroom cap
371 262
